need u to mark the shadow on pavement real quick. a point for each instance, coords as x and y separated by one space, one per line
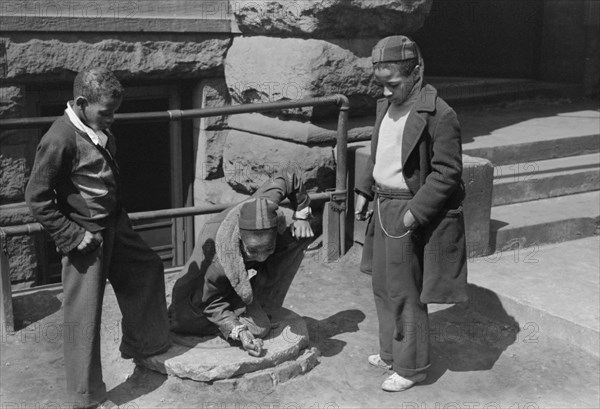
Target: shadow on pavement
34 307
141 382
470 336
321 332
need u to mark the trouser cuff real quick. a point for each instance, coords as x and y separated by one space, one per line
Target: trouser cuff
409 372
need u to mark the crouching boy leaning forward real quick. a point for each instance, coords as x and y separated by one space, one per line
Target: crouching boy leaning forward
242 266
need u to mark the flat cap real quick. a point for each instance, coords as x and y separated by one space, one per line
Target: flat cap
258 214
394 48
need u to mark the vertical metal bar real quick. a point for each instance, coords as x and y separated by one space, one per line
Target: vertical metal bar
342 167
6 308
176 154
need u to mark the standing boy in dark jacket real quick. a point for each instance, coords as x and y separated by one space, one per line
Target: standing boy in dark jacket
415 241
74 193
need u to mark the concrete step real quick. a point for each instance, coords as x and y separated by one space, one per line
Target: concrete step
552 220
521 136
521 182
551 291
460 91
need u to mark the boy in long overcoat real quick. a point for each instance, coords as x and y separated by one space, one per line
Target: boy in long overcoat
415 241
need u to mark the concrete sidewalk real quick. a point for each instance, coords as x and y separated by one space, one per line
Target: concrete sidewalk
496 358
555 287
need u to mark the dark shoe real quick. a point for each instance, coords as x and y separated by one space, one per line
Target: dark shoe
125 355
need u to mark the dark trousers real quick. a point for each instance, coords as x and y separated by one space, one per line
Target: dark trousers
397 283
136 273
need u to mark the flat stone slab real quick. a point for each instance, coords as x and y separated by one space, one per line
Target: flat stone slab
211 358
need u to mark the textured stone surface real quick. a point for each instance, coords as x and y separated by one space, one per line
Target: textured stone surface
17 147
21 249
478 176
129 58
11 101
330 18
247 169
13 178
210 192
262 69
211 358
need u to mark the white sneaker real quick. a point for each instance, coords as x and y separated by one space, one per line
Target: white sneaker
397 383
376 360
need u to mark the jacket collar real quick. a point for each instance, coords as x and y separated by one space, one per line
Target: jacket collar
425 101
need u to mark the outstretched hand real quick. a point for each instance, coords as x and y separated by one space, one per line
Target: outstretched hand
301 229
252 345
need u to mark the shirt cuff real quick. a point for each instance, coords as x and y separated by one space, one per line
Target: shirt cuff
303 214
235 332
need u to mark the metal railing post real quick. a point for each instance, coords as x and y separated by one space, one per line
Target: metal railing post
6 308
334 214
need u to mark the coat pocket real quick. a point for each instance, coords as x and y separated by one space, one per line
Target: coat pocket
445 259
391 216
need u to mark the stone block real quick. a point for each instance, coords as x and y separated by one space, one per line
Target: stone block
256 382
287 371
127 56
209 153
211 358
211 93
263 69
22 256
334 18
13 177
11 101
246 170
17 147
478 176
308 360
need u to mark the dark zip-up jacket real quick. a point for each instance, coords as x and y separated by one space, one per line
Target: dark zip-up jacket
73 185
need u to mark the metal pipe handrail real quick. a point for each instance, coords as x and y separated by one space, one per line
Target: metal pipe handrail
178 114
337 198
29 228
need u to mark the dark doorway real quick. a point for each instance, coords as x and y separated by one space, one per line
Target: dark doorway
482 38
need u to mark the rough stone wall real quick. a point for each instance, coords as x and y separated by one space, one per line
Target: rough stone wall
16 154
288 51
276 51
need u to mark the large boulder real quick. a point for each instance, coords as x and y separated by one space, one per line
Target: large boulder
247 169
330 18
263 69
129 58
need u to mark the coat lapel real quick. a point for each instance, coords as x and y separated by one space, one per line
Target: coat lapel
416 122
413 129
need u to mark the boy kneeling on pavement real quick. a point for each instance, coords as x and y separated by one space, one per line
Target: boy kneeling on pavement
243 264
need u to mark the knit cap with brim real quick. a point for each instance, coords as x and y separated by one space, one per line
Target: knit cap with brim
258 214
394 48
